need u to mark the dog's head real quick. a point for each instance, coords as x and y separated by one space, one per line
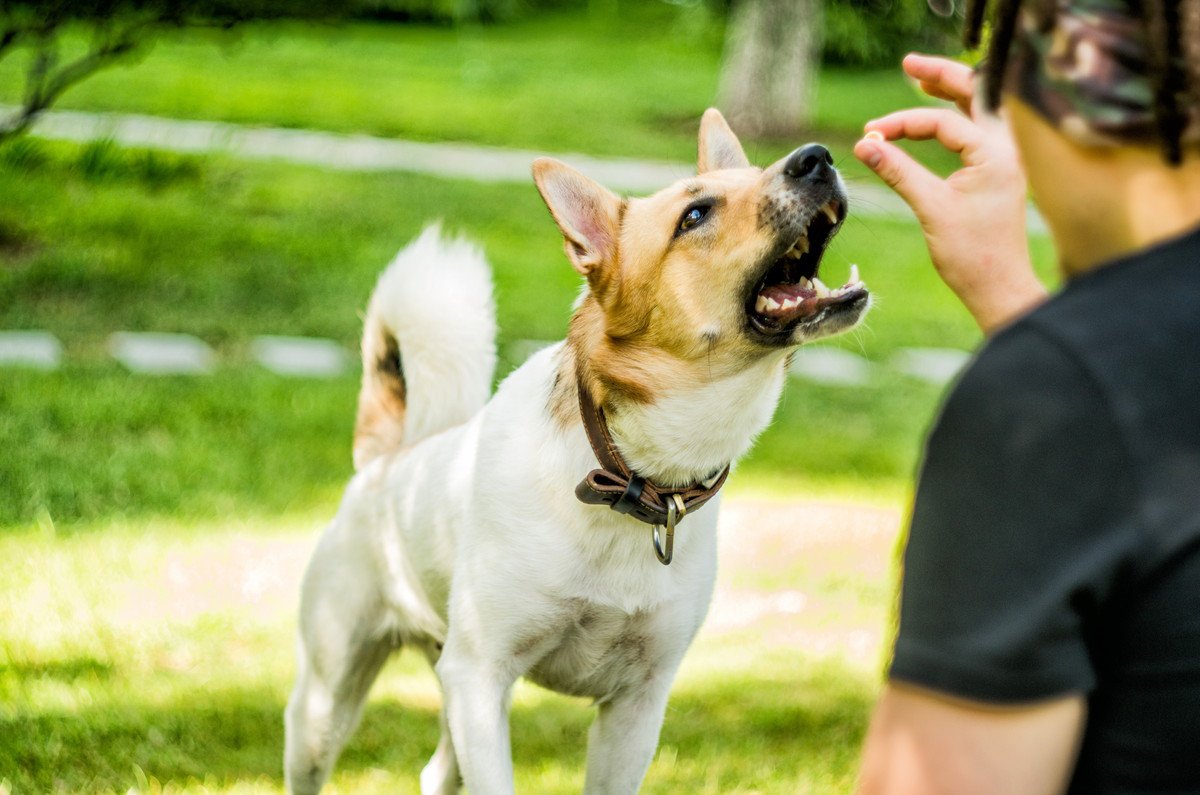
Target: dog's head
721 267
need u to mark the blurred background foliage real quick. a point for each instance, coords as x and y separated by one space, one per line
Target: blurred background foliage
769 75
880 32
857 32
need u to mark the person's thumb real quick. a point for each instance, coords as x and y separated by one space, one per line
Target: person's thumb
912 181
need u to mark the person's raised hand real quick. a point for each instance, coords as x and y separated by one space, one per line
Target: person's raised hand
974 220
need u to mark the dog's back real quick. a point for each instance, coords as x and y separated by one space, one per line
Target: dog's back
428 345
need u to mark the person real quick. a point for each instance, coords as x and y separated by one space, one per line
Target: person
1049 620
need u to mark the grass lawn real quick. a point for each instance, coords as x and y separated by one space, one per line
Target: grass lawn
92 244
157 657
152 529
627 85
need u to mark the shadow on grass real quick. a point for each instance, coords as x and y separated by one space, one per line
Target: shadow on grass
740 731
70 670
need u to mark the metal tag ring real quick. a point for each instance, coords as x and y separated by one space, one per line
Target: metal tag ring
675 511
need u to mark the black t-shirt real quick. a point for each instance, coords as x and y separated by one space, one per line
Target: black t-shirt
1055 539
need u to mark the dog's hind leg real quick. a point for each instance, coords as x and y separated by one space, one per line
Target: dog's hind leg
441 775
343 644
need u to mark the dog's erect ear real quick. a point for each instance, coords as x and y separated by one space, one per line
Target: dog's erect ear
719 147
588 213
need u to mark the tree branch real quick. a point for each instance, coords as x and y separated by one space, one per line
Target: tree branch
118 27
45 83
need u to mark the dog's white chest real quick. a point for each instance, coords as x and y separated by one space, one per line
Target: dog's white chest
594 650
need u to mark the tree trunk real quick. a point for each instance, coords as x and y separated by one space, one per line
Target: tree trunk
772 53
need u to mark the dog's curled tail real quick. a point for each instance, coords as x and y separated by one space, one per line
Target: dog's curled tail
428 345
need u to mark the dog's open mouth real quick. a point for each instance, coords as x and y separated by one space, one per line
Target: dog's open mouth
790 290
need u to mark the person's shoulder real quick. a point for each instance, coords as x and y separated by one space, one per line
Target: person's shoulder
1123 340
1129 305
1139 310
1022 368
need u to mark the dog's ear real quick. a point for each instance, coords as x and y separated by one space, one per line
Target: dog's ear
588 213
719 147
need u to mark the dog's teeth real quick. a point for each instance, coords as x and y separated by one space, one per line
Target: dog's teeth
853 274
790 302
819 286
830 213
761 304
804 283
772 303
798 249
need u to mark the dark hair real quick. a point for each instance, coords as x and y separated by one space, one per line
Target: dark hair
1172 29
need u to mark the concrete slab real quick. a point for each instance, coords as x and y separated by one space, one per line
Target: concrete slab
828 365
933 365
309 357
40 350
156 353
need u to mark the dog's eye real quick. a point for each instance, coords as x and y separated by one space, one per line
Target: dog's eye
692 216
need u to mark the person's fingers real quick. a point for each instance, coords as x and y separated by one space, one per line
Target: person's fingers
954 81
932 90
935 92
918 186
952 130
953 77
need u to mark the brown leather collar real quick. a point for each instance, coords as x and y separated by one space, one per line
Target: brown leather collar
623 490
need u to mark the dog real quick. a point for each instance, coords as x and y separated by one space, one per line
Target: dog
480 531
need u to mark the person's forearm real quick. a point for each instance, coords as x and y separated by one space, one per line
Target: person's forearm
921 742
1007 290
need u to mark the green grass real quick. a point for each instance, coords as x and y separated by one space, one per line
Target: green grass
627 85
157 657
152 529
93 242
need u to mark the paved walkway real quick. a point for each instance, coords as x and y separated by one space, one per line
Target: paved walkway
371 153
156 353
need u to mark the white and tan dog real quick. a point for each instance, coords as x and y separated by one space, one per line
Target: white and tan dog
461 534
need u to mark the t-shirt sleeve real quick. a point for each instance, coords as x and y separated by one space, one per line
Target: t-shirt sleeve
1019 529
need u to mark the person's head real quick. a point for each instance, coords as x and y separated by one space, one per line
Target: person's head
1104 72
1104 101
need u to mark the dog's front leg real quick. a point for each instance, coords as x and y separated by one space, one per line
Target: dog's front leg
476 698
623 738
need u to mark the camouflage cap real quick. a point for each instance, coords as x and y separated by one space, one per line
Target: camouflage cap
1083 66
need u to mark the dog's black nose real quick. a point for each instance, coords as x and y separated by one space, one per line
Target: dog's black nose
812 162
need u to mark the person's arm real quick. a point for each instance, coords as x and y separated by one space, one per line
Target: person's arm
974 220
1023 529
924 743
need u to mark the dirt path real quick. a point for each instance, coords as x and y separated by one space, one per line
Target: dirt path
810 575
